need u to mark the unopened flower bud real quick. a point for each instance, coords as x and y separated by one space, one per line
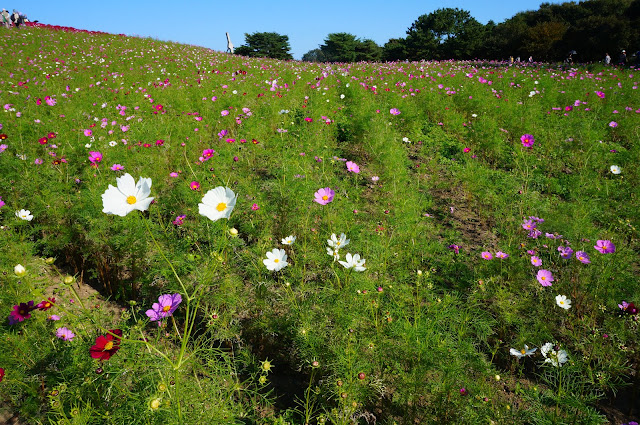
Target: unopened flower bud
49 260
233 232
19 270
69 280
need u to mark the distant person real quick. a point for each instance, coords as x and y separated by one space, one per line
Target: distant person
518 59
6 18
530 59
16 18
622 59
229 44
511 60
607 59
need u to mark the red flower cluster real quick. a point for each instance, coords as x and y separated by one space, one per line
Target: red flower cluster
106 345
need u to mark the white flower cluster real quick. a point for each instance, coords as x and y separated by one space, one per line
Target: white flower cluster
352 261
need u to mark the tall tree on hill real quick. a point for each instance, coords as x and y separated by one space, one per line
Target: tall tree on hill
395 49
445 34
340 47
265 44
368 50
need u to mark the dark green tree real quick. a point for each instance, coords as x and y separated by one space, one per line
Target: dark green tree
314 55
340 47
265 45
445 34
395 49
368 50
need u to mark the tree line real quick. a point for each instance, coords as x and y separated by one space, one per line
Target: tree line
591 28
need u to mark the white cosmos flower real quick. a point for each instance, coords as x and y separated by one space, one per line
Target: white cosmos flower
289 240
338 243
128 196
615 169
556 358
563 302
276 260
353 261
218 203
334 253
522 353
24 215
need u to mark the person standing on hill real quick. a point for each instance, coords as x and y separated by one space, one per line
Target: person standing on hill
607 59
622 59
6 18
16 18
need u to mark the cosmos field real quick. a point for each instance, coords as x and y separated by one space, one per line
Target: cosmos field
195 237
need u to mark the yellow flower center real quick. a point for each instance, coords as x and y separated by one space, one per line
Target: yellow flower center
543 278
108 346
155 404
522 351
221 206
325 197
131 200
276 260
166 308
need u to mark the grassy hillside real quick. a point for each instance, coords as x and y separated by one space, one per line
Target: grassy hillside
493 209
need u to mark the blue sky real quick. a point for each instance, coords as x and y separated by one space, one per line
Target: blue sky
307 24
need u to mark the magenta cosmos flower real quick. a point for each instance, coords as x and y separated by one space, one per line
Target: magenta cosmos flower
324 196
527 140
583 257
487 255
605 247
353 167
21 312
65 334
502 255
165 306
613 124
394 111
544 277
95 157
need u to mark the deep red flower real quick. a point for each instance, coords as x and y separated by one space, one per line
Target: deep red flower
21 312
43 140
46 304
1 374
3 136
51 135
106 345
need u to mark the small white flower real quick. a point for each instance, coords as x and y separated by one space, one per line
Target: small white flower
474 115
128 196
556 358
88 145
615 169
334 253
218 203
406 140
113 143
24 215
341 96
354 262
289 240
522 353
338 243
276 260
563 302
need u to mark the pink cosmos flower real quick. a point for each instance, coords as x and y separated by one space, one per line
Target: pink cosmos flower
165 306
255 207
527 140
324 196
88 133
50 101
394 111
502 255
65 334
179 221
224 113
536 261
117 167
353 167
455 248
173 174
583 257
194 185
487 255
613 124
565 251
95 157
544 277
605 247
21 312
